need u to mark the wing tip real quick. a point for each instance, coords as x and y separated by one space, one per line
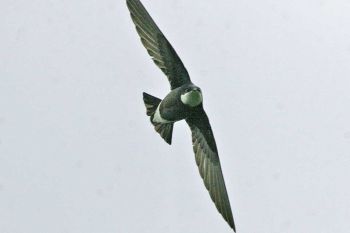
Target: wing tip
231 223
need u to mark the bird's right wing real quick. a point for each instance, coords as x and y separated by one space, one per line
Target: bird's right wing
208 162
157 45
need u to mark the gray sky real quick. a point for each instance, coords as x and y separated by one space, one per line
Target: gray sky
78 154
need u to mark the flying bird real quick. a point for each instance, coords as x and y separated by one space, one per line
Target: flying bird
184 102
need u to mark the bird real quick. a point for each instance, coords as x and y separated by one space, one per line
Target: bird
183 102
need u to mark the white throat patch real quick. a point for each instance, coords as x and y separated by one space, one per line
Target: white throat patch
192 98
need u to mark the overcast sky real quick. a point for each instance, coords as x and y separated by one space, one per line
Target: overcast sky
77 151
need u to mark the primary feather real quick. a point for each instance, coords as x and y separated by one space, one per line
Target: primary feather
158 46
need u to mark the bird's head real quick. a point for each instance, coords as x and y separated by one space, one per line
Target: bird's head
192 96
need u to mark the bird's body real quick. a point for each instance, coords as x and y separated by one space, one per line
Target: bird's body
177 105
184 102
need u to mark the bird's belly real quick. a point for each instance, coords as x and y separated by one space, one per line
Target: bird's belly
158 118
167 112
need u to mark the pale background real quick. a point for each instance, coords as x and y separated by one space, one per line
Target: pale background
78 154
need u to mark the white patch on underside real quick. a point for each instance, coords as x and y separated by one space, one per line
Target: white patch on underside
158 118
192 98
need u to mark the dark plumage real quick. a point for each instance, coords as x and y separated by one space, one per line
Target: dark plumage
184 102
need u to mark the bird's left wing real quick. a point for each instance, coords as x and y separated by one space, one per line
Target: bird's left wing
208 162
157 45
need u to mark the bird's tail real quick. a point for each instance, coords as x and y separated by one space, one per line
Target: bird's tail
164 129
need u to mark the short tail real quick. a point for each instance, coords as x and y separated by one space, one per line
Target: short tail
164 129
